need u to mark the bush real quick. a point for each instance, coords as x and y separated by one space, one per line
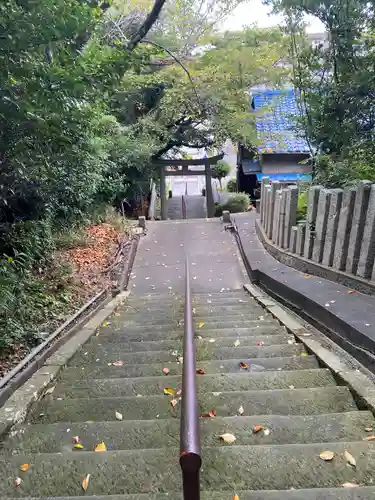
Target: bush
302 206
238 202
232 186
220 170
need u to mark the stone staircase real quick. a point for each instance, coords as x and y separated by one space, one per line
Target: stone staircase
301 410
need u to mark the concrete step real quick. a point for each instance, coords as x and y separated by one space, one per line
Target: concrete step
170 334
224 382
360 493
147 317
331 399
147 434
110 353
151 370
142 471
170 345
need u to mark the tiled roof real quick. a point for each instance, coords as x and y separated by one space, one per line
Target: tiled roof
276 128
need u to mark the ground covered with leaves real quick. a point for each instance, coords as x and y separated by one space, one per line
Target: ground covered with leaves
74 274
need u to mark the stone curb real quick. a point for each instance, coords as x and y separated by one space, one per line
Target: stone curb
16 407
308 266
360 385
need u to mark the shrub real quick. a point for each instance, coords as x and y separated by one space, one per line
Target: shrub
232 186
220 170
302 206
238 202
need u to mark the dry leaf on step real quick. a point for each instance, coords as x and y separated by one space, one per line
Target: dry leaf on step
236 497
243 365
166 371
17 482
266 432
174 403
100 447
85 482
227 438
24 467
200 371
350 485
327 456
201 324
257 428
241 410
168 391
350 459
75 439
78 446
210 414
106 323
237 343
260 344
118 415
369 438
50 390
118 363
307 276
368 429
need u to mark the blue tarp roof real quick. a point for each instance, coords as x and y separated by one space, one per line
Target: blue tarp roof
287 177
276 128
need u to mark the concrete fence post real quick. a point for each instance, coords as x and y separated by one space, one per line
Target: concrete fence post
300 244
358 225
280 239
267 203
367 252
343 230
276 224
332 225
265 182
321 224
274 187
290 213
312 208
293 239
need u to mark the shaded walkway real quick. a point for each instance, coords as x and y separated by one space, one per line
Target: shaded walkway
195 207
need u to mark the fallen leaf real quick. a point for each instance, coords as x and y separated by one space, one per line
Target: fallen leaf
168 391
166 370
257 428
350 485
369 438
216 393
237 343
304 355
50 390
75 439
200 325
327 456
266 432
243 365
241 410
24 467
307 276
349 293
174 403
179 392
235 497
106 323
228 438
200 371
118 363
210 414
85 482
78 446
368 429
100 447
118 415
290 341
199 337
350 459
261 344
211 341
180 359
17 482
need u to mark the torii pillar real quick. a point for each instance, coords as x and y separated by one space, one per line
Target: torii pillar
209 194
163 200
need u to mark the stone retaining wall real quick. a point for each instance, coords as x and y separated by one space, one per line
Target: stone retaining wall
339 230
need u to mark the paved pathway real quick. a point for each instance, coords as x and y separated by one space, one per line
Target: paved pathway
160 262
195 207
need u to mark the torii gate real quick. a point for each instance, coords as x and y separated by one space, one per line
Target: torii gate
185 164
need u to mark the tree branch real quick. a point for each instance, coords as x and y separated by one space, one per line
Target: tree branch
147 25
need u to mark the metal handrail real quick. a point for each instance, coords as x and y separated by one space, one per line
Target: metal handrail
190 447
183 202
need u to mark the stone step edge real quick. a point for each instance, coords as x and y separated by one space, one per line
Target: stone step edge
347 370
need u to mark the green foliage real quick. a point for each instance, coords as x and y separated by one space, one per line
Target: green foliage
232 186
337 86
238 202
220 170
302 205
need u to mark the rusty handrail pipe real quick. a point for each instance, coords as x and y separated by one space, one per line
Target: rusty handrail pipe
190 447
